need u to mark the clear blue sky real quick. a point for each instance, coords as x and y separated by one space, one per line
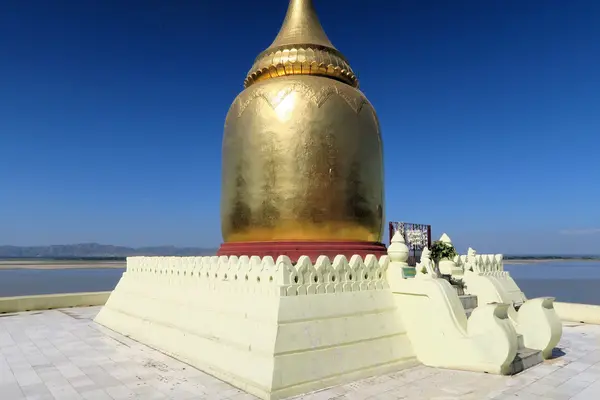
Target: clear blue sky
111 115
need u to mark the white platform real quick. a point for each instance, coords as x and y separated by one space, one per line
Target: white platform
62 354
277 329
272 329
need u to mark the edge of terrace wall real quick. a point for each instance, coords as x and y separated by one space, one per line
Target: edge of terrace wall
575 312
568 312
272 329
52 301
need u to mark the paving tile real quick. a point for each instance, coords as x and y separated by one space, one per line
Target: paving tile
559 376
96 394
246 396
6 376
64 355
150 393
541 370
69 370
120 392
26 376
65 393
539 388
11 391
53 378
41 397
578 366
592 392
521 396
104 380
39 390
586 376
567 390
6 340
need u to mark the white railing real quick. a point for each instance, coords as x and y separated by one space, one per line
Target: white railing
481 263
280 277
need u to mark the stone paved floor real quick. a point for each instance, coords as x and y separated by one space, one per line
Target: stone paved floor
63 354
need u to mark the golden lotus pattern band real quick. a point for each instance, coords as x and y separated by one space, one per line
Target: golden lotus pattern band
303 166
317 97
301 60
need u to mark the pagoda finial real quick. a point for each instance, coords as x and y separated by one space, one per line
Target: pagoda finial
301 26
301 48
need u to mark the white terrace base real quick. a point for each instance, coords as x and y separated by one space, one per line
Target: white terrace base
272 329
535 320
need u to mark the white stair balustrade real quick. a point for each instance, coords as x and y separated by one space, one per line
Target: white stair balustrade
439 331
536 320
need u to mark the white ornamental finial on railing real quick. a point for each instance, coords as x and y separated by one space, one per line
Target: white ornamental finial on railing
398 250
471 264
398 254
425 267
445 239
500 264
447 265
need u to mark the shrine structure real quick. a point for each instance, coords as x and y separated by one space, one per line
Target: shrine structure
303 295
302 169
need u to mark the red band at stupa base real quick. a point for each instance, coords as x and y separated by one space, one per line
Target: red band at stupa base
295 249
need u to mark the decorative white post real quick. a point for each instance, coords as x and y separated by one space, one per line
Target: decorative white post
425 267
398 253
471 265
445 265
445 239
500 263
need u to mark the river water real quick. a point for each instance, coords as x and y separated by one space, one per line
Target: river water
568 281
21 282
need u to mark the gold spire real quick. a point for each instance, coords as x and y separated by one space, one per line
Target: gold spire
301 48
301 26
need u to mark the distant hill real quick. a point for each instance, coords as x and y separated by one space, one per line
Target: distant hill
95 250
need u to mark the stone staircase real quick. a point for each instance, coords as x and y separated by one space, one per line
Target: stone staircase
469 303
525 358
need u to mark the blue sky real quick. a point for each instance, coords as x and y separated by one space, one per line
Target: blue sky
111 116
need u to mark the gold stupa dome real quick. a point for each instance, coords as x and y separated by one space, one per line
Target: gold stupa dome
302 152
301 48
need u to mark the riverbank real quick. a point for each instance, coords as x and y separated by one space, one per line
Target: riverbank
60 264
517 261
568 281
103 264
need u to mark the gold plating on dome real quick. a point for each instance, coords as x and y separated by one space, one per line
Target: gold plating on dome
317 97
303 167
301 48
302 153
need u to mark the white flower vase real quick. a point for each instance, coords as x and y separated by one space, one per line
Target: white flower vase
446 266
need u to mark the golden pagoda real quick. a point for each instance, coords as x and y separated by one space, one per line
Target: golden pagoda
302 154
